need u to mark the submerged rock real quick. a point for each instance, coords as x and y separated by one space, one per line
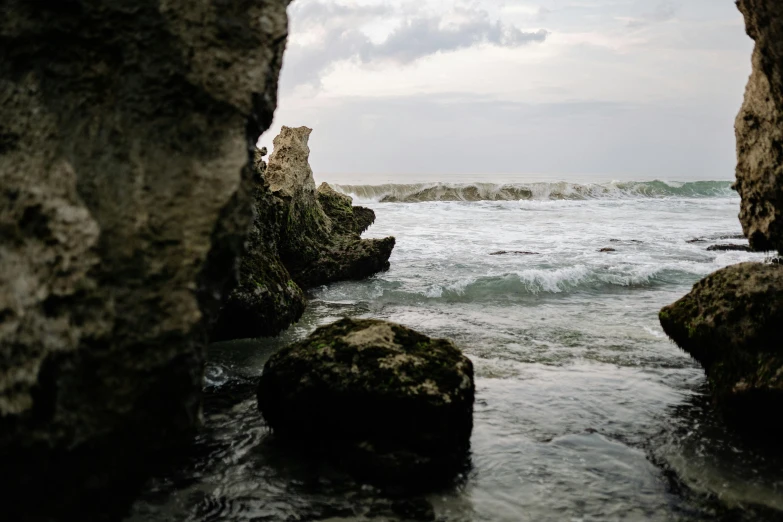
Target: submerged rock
514 252
391 404
728 248
714 238
731 323
608 250
301 238
124 187
759 129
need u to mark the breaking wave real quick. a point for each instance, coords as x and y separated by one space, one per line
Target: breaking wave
520 285
418 192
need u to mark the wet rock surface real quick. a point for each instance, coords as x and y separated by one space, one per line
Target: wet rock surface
124 179
301 238
730 323
390 404
729 248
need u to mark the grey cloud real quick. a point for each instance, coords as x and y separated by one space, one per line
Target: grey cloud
416 37
423 36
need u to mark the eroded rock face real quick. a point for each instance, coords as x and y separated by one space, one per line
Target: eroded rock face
391 403
759 129
731 323
126 134
301 238
320 240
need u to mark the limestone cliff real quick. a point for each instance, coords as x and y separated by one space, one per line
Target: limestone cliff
759 129
302 238
126 134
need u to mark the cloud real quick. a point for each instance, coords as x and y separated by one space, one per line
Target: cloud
662 13
326 33
421 37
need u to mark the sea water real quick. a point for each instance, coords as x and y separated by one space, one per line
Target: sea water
584 409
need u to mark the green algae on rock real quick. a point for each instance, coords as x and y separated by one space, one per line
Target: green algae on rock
266 300
731 324
301 238
393 405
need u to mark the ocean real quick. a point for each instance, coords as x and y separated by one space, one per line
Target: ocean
585 411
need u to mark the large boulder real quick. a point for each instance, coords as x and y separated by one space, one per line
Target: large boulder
731 323
301 238
126 141
392 404
759 129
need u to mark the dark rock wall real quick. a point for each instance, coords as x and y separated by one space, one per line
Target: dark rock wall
126 138
759 129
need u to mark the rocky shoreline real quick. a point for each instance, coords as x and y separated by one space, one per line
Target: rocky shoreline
139 222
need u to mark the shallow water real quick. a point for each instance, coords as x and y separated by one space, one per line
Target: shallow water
585 411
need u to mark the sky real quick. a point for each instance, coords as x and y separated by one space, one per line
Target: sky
484 90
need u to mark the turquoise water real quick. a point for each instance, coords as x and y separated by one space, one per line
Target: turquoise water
585 411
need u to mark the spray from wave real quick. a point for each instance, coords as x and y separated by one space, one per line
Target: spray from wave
419 192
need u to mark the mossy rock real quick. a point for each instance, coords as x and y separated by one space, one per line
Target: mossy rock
301 238
392 404
266 300
345 217
731 322
363 217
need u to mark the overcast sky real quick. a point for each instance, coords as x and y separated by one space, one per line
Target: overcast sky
443 89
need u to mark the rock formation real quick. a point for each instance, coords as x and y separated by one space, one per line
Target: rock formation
126 134
266 300
320 238
730 323
393 405
302 238
729 248
759 129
